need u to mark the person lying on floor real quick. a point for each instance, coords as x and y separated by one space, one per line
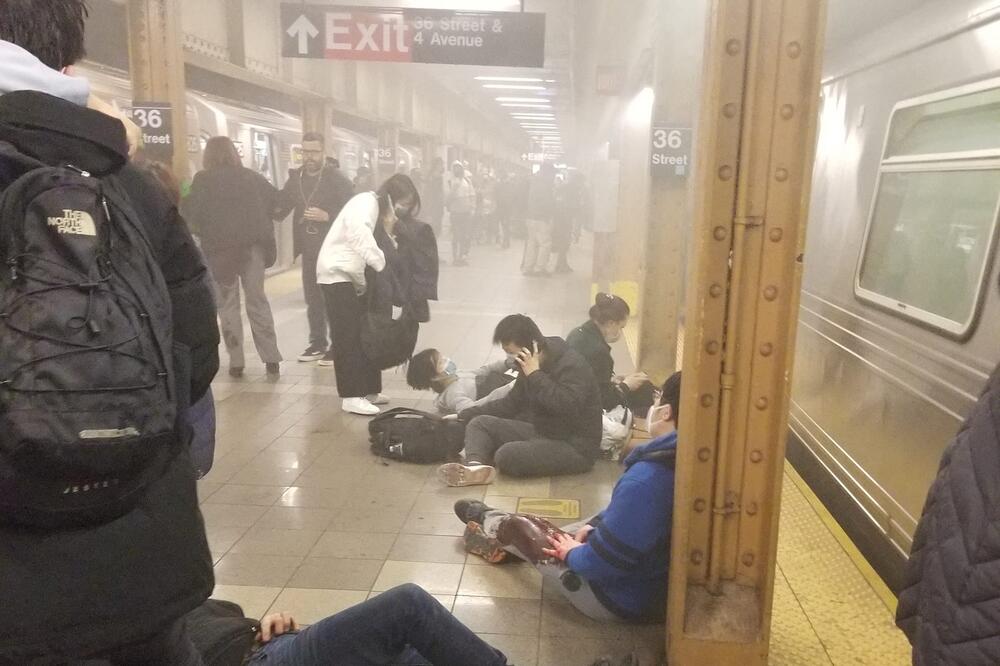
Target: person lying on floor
613 566
405 626
458 389
550 422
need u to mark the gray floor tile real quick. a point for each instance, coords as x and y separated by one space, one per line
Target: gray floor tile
354 545
497 615
259 570
336 574
428 548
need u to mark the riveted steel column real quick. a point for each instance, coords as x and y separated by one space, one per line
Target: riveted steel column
755 149
156 63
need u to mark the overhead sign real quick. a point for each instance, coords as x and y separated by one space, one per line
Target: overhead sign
155 119
386 156
434 36
670 150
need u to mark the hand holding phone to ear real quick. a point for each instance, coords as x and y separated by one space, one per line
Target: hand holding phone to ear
528 359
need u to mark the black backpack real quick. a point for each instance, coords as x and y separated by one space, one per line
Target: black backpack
88 386
414 436
221 633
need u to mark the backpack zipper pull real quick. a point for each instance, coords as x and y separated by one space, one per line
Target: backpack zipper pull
85 174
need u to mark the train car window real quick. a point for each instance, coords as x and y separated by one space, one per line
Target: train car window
933 220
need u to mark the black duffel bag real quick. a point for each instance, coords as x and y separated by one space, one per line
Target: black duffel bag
414 436
221 633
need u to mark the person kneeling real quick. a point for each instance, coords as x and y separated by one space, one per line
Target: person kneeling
613 566
457 389
549 423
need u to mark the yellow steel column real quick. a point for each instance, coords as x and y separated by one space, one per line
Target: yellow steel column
755 149
156 63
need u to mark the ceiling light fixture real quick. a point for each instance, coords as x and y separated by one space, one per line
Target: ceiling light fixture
517 79
527 106
511 86
530 100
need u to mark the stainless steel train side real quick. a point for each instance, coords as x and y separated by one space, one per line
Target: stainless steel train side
880 385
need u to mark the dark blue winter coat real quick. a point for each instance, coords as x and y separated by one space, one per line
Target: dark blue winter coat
949 607
625 558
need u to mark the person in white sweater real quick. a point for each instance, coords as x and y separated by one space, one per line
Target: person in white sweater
349 248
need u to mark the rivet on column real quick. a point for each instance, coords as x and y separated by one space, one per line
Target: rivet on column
729 110
719 233
704 453
787 111
766 349
725 172
707 400
770 293
712 347
781 174
761 403
748 559
794 49
697 556
733 46
756 456
776 234
699 505
752 509
715 290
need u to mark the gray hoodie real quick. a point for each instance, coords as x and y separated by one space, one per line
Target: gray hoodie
20 70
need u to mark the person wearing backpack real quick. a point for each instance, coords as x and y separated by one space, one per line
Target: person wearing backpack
100 564
228 210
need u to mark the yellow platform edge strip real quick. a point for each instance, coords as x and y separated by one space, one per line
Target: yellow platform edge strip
867 572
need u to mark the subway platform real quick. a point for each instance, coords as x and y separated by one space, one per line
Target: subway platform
301 517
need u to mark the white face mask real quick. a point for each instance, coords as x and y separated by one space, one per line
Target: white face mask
656 419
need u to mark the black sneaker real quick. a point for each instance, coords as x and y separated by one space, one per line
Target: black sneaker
327 360
311 354
273 369
236 373
469 510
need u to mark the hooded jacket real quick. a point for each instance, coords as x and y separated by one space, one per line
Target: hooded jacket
561 400
626 557
72 592
23 71
949 606
588 341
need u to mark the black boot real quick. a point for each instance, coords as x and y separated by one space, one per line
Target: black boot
469 510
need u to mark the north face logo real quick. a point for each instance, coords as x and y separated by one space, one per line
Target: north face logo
76 222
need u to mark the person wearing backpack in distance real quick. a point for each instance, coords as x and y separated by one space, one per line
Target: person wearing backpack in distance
112 587
550 422
457 389
614 565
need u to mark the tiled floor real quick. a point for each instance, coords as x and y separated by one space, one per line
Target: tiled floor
301 517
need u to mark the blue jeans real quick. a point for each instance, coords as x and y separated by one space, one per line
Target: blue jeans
405 626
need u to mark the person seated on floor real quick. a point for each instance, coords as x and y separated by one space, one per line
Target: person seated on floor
550 422
458 389
405 626
593 339
614 565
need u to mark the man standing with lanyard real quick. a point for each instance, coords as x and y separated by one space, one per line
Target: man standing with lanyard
316 193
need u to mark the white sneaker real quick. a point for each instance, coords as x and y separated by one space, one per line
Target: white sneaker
359 406
456 474
378 399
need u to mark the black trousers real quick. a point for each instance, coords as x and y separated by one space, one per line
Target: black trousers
315 312
356 377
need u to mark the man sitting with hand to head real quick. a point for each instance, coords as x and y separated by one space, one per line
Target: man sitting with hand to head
549 423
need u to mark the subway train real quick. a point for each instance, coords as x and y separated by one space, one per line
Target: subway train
899 324
268 139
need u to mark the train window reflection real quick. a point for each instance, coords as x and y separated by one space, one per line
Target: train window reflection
959 124
928 242
932 225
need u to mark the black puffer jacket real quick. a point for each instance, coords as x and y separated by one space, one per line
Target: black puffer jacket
950 605
561 400
79 591
330 194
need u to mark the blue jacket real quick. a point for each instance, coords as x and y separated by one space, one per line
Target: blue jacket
625 558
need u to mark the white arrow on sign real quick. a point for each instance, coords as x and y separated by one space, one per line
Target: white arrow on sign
304 29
